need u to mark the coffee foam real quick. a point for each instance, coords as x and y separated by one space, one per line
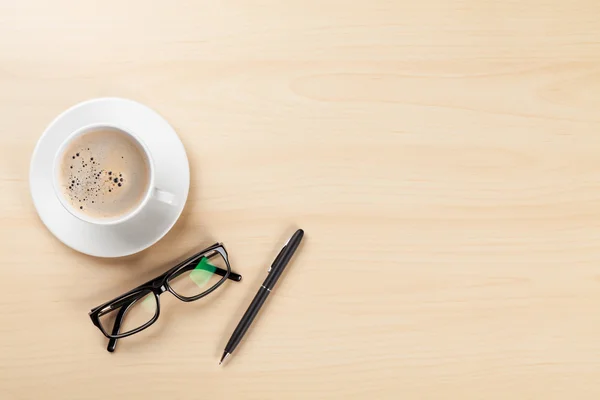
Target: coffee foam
104 174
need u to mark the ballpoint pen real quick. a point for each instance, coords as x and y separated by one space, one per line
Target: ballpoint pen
274 273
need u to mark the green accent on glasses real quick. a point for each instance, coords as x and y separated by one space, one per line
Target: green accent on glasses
203 272
149 303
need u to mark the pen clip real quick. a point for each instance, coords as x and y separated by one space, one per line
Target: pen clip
278 256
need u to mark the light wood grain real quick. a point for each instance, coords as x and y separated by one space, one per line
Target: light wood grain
443 158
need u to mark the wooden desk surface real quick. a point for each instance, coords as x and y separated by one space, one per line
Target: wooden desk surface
443 158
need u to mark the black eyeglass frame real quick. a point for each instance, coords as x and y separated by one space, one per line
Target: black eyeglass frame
158 286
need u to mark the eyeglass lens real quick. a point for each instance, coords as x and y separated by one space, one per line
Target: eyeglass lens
134 313
198 277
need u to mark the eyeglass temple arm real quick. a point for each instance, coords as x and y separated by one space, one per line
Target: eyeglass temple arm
219 271
222 272
232 275
112 343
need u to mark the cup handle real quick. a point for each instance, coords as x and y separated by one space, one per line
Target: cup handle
164 197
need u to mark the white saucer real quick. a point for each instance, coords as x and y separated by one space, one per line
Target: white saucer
171 169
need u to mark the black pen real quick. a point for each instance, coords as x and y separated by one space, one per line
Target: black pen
275 271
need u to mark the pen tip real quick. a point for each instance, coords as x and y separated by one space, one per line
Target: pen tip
225 355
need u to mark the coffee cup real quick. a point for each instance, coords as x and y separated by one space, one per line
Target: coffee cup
104 175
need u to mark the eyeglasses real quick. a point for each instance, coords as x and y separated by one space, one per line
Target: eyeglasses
189 280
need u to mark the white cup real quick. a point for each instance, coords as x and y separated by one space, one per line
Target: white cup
152 192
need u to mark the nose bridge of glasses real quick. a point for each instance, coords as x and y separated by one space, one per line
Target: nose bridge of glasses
159 286
157 283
